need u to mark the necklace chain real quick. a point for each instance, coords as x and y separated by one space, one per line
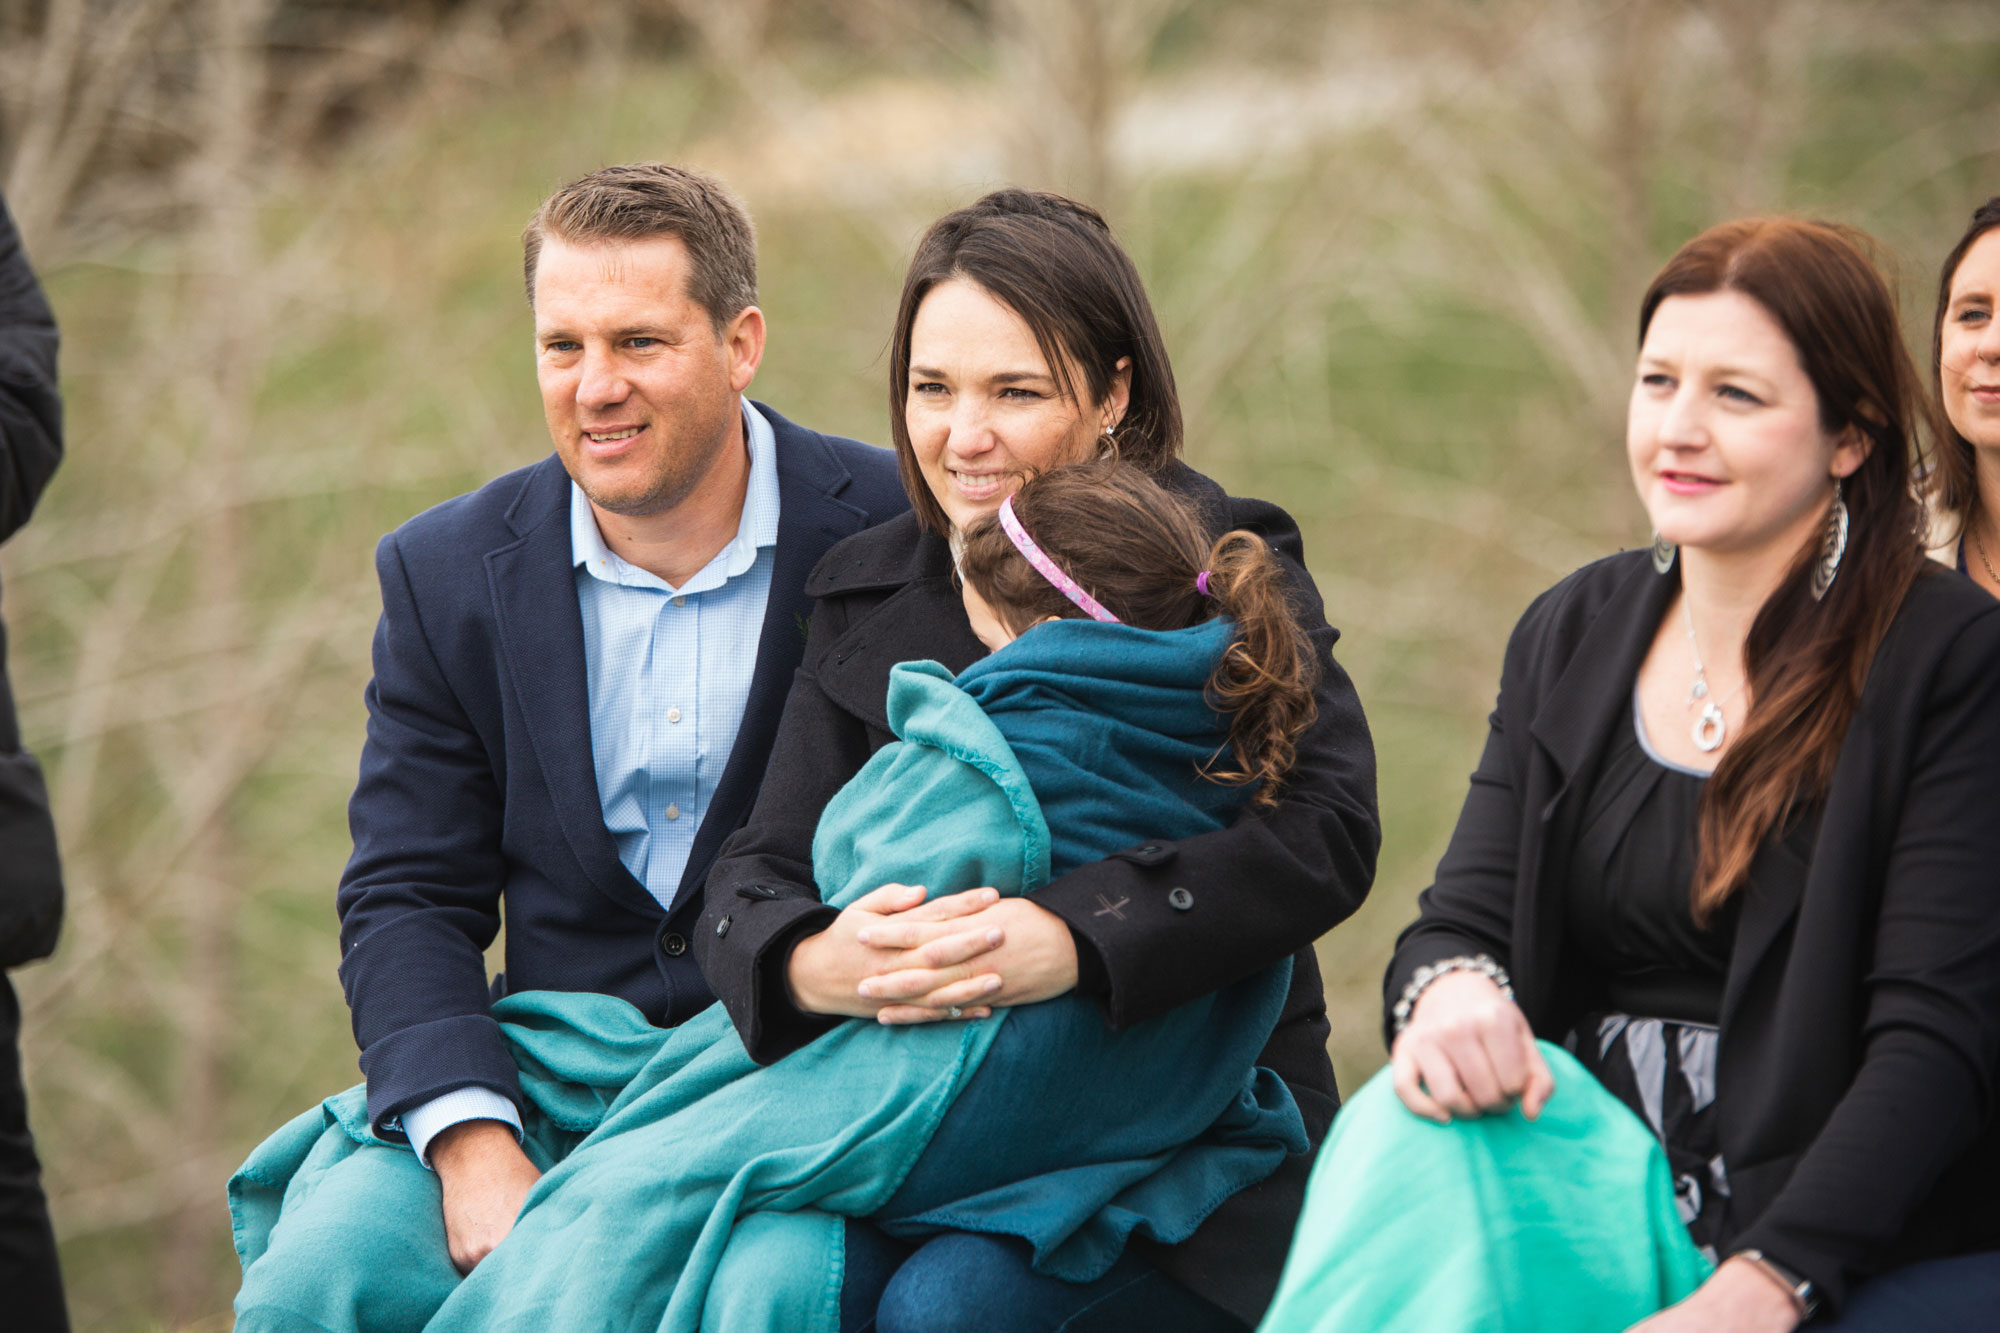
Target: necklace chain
1711 727
1980 547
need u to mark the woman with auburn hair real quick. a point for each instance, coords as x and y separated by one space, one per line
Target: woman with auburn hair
1731 842
1965 369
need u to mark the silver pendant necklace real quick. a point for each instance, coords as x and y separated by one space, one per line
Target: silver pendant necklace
1710 726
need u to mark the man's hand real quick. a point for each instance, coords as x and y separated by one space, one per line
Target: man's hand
486 1177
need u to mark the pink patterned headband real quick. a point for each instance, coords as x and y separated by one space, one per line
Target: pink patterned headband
1047 568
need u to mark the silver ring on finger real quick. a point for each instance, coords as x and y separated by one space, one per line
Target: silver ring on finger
954 1011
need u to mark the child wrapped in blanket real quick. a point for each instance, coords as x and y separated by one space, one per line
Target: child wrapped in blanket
1144 683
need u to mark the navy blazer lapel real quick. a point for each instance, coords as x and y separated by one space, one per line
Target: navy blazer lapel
810 519
533 583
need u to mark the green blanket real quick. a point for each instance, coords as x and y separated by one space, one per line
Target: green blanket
686 1187
1494 1225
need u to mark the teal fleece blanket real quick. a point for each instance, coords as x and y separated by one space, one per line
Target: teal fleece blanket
687 1187
1565 1224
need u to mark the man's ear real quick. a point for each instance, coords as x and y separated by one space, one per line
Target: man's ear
743 343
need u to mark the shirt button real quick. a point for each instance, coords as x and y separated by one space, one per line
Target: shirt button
673 812
674 946
1180 900
673 715
680 601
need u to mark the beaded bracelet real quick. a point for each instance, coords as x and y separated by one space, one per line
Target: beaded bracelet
1429 972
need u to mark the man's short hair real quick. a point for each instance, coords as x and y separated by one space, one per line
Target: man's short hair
648 199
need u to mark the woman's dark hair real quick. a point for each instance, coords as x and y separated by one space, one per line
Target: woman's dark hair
1053 262
1138 549
1807 660
1954 481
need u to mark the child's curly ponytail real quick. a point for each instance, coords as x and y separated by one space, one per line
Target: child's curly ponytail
1266 679
1139 549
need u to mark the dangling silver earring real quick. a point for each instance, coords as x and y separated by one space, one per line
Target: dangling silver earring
1107 443
1833 545
1664 552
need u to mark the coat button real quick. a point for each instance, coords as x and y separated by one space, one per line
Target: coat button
1181 900
722 928
674 945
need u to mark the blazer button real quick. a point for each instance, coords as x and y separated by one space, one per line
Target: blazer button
722 928
1181 900
674 945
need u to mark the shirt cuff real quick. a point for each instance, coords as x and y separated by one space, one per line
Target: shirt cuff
438 1114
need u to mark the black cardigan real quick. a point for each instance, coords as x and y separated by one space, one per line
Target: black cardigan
1262 889
1860 1022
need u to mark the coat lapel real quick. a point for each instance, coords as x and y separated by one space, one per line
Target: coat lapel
1570 728
533 584
810 519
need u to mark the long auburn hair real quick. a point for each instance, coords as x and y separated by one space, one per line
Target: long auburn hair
1138 549
1808 660
1953 484
1053 262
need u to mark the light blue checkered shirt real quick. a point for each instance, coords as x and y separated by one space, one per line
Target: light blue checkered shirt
668 671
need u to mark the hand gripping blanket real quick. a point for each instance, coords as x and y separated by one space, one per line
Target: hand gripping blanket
1496 1224
688 1188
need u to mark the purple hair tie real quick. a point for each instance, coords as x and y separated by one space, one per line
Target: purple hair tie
1046 567
1201 583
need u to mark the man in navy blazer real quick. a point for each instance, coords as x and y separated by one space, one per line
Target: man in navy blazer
579 671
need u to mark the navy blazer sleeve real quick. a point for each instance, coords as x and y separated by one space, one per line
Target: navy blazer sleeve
425 878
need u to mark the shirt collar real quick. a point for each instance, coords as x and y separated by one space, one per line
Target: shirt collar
757 528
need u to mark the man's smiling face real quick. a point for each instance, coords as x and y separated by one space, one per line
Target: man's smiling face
639 389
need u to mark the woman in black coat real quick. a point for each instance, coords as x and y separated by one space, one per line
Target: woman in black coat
1732 834
1024 340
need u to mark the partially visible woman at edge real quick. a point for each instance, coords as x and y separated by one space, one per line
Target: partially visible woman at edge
1732 835
1965 366
1024 340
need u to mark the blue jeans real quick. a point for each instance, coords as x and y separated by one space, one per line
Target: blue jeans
1934 1296
963 1280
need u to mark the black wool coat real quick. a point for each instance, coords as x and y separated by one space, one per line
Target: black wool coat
1860 1020
1156 925
31 444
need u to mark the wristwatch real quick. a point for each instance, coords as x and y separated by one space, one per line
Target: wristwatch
1804 1294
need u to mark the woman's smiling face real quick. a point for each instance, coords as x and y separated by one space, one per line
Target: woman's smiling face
1723 432
1969 345
983 406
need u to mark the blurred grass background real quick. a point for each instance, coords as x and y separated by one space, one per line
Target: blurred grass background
1396 248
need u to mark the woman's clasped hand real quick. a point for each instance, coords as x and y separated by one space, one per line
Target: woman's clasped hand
897 958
